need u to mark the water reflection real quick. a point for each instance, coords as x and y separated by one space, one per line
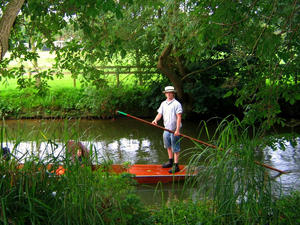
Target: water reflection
286 160
119 151
126 150
121 141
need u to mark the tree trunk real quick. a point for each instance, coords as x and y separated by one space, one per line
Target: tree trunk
6 23
35 62
169 70
163 66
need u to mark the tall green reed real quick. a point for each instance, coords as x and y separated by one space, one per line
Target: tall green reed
34 194
240 190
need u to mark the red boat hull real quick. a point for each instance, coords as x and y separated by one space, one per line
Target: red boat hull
152 174
142 173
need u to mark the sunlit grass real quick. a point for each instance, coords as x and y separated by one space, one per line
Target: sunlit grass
46 61
68 82
58 83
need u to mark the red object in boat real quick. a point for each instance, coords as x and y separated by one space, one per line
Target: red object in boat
60 171
152 174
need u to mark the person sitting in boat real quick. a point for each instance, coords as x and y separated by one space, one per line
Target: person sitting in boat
5 153
77 151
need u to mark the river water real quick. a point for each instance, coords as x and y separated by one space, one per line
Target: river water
127 140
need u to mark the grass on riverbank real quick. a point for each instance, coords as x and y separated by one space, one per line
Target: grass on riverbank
74 102
81 196
33 196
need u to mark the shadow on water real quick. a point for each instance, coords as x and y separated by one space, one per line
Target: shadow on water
127 140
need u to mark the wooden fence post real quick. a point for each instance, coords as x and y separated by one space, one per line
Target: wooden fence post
118 76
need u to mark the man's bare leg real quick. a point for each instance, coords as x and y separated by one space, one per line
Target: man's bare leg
176 157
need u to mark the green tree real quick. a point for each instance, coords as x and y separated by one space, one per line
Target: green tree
263 37
153 31
253 45
40 22
249 47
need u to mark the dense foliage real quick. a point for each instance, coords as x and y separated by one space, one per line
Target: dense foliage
247 49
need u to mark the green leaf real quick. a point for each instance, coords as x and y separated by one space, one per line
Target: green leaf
292 101
228 94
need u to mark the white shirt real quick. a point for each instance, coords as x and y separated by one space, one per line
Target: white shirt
169 109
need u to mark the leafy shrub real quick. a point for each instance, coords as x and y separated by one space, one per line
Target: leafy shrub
180 212
288 209
104 102
7 108
67 98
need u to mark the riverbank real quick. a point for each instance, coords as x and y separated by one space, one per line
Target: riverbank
65 102
89 103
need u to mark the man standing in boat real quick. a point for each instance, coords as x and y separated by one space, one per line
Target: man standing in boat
171 111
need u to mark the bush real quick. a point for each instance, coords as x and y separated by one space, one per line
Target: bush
180 212
288 209
104 102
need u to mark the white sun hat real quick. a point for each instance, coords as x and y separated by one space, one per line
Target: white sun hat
169 89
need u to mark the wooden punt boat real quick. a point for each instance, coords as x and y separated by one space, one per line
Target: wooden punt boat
152 174
142 173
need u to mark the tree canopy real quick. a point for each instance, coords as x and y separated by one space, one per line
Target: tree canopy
206 49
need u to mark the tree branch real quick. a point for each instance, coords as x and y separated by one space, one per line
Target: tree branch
202 70
263 30
163 66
